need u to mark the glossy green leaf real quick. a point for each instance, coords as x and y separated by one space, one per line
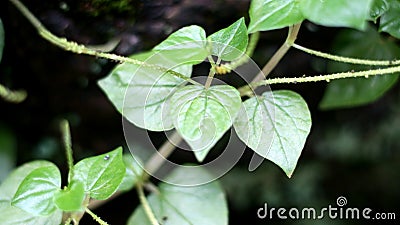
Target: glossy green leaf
275 125
71 198
10 185
379 7
133 172
141 94
337 13
101 174
35 193
8 151
231 42
186 205
273 14
390 20
1 39
202 115
359 91
11 215
188 45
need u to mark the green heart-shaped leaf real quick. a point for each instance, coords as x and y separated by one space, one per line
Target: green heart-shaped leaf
273 14
101 174
187 44
12 215
337 13
275 125
203 115
141 93
231 42
9 186
35 193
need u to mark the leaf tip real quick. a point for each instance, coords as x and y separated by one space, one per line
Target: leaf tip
289 171
200 156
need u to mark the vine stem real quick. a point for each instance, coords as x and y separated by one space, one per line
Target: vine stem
158 158
81 49
12 96
68 221
290 39
328 77
146 206
66 137
211 74
347 59
95 217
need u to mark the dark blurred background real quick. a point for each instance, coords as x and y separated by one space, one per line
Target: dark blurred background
350 152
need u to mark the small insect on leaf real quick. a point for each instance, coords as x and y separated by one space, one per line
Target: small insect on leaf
106 157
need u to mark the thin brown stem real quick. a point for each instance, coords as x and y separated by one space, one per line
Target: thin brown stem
292 36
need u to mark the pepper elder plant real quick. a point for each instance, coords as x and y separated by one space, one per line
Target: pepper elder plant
157 90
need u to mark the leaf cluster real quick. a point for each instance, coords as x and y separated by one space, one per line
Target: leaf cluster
156 90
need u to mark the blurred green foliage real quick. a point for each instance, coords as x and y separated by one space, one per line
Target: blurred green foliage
8 154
